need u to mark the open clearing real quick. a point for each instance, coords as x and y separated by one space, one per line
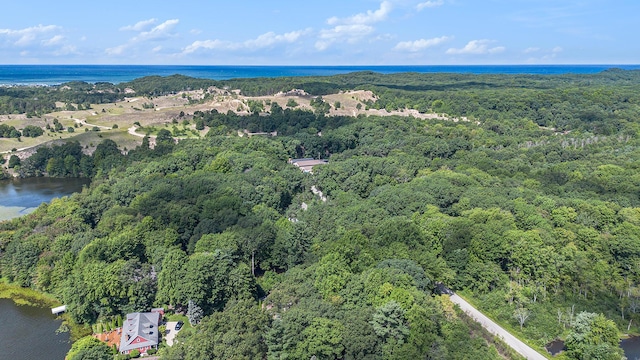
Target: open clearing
148 115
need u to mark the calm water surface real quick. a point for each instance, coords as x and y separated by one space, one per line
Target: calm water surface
57 74
631 347
21 196
29 333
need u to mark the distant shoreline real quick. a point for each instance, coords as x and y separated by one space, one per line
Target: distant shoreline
51 75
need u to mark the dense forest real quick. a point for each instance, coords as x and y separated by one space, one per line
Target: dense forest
531 209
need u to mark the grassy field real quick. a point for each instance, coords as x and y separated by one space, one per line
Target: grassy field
153 114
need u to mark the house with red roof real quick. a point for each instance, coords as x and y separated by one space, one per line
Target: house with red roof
139 331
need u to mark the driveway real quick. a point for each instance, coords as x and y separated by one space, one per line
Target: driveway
171 326
517 345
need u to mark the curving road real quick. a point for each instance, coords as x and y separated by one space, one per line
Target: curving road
84 122
517 345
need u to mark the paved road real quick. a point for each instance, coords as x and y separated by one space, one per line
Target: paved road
522 348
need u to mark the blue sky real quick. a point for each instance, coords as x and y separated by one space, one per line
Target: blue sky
327 32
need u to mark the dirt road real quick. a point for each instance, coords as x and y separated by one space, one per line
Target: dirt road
522 348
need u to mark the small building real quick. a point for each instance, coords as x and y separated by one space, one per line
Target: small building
307 164
59 310
139 331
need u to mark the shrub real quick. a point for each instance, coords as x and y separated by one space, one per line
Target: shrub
32 131
291 103
13 161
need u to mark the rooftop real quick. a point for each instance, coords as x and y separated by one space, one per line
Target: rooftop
139 330
307 164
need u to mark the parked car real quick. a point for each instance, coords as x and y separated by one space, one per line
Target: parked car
179 325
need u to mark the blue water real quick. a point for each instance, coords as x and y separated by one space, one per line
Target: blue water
57 74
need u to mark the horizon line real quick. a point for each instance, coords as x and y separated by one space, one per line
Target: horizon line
340 65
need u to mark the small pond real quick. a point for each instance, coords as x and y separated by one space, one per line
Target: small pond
555 347
631 347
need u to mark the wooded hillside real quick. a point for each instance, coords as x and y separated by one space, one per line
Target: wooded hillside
531 205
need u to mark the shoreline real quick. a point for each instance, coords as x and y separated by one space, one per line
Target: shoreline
97 73
34 298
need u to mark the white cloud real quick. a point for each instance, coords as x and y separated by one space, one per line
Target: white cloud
353 28
271 38
263 41
209 45
140 25
421 44
429 4
27 36
196 31
160 32
477 47
544 55
116 50
369 17
346 33
530 50
66 50
57 39
43 41
157 33
156 49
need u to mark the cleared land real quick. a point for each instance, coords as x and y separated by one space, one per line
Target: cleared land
127 121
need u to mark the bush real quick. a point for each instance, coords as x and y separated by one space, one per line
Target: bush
291 103
71 129
14 161
32 131
135 353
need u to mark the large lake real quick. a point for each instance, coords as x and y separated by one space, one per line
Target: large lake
21 196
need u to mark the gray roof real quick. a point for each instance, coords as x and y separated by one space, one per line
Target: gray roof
143 325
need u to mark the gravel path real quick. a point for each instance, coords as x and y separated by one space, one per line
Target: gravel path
522 348
85 123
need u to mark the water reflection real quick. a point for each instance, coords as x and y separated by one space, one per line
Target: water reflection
30 333
21 196
631 347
